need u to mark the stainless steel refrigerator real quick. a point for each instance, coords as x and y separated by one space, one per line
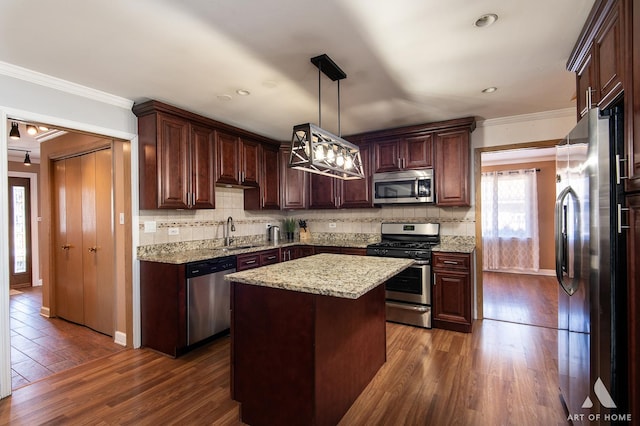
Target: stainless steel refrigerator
590 268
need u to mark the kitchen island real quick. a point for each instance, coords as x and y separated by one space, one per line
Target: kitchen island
307 336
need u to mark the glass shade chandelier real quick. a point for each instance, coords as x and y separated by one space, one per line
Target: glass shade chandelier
316 150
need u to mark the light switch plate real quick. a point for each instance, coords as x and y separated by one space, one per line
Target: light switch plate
121 218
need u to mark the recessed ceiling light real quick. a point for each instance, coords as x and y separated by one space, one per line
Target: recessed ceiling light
243 92
489 89
486 20
224 97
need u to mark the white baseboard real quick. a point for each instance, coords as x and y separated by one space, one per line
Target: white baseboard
120 338
45 312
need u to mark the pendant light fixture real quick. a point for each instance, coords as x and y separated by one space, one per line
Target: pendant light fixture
27 158
316 150
15 132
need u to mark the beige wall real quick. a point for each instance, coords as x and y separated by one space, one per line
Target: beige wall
546 202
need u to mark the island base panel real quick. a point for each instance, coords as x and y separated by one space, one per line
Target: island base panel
300 358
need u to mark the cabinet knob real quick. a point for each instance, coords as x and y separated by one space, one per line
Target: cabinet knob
93 249
66 247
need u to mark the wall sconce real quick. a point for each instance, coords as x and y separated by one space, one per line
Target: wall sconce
316 150
15 132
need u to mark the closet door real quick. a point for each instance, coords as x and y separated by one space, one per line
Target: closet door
98 256
68 249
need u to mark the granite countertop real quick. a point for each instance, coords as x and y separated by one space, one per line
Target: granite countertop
455 247
337 275
196 255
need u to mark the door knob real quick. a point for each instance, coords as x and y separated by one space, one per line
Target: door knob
93 249
66 247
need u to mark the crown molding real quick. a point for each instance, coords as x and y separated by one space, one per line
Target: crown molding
544 115
41 79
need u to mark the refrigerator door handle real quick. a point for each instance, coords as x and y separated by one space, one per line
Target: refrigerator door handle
567 245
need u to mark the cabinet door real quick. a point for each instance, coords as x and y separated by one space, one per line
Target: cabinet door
357 193
322 192
227 153
202 167
270 184
386 156
294 184
452 168
269 257
249 163
633 297
607 49
585 83
632 106
418 152
173 162
452 300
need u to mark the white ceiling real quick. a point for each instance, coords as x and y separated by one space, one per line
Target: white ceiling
407 61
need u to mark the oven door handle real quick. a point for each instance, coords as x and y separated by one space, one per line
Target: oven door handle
405 306
415 188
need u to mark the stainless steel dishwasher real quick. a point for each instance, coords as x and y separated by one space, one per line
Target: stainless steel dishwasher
208 298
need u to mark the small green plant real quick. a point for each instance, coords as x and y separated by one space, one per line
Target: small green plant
289 228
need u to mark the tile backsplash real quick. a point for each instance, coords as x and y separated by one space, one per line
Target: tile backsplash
194 225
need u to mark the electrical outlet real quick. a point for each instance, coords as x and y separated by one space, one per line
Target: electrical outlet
268 225
174 231
332 225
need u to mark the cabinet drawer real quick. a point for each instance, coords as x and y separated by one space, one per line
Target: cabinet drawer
248 261
451 261
269 257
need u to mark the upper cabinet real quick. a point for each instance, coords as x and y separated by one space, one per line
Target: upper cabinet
238 160
452 172
293 183
176 163
399 153
266 196
183 155
606 60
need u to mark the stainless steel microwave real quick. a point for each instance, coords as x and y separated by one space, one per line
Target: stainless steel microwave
409 186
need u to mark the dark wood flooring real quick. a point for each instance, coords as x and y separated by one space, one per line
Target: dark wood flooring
501 374
43 346
521 298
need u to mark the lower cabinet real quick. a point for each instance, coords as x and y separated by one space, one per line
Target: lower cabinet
295 252
452 277
341 250
256 259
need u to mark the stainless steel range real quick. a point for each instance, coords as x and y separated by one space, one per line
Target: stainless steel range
409 293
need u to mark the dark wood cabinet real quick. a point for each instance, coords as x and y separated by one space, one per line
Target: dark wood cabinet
584 92
294 184
357 193
633 298
609 58
295 252
177 162
250 160
228 154
331 193
341 250
163 307
403 153
452 277
452 174
267 195
256 259
323 192
632 99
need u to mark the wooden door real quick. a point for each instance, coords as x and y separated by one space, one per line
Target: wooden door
358 193
322 192
418 152
452 172
250 163
386 156
294 185
203 167
68 249
98 256
173 162
19 232
227 155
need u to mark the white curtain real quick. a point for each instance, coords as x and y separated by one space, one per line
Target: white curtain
510 220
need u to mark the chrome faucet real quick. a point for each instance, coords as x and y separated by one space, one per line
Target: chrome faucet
227 235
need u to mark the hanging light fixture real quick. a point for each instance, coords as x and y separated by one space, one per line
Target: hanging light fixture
316 150
15 132
27 158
